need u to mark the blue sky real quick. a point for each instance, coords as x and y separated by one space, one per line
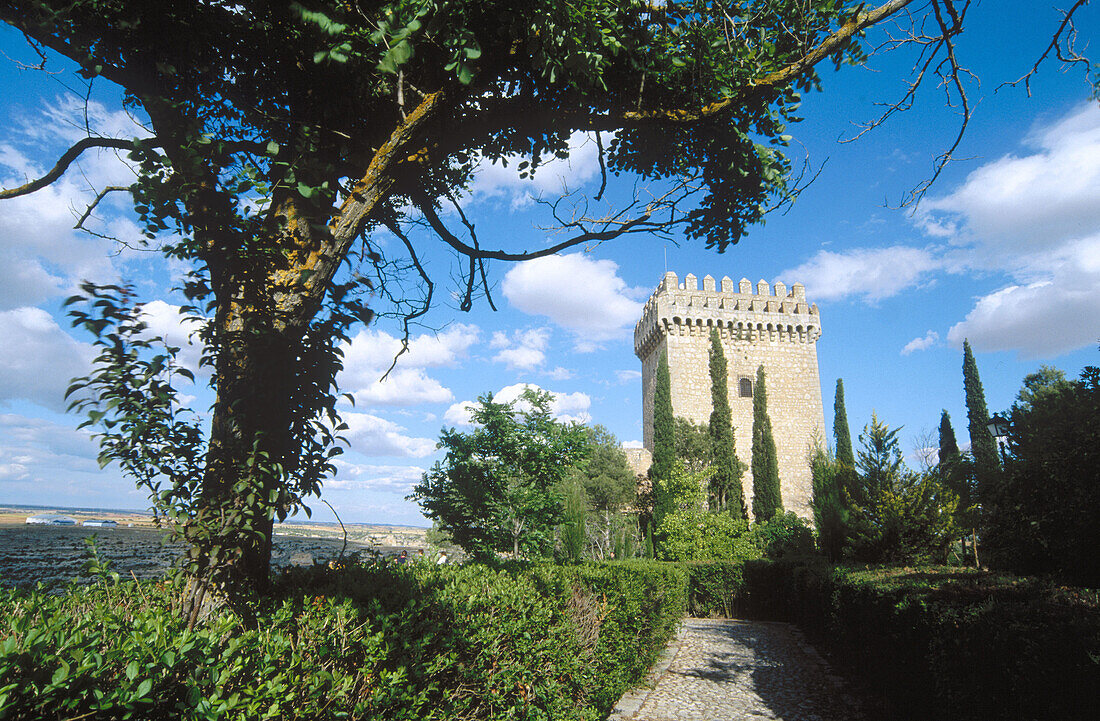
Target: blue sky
1004 250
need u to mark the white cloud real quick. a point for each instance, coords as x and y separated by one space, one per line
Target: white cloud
525 349
554 176
31 442
583 295
630 376
631 444
164 320
367 477
375 436
1023 206
566 407
1035 217
924 343
38 358
41 255
371 352
1041 320
870 273
559 374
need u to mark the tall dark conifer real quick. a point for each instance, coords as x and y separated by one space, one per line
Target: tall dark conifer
949 447
766 497
664 443
841 433
725 483
664 429
982 445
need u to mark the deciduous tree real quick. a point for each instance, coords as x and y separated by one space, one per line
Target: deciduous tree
279 137
498 488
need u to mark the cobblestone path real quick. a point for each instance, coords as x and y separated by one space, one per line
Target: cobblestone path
726 670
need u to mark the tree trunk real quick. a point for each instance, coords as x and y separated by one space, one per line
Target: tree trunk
250 453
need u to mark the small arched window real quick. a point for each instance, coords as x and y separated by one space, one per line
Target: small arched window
745 388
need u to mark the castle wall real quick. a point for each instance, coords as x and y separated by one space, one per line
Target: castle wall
756 327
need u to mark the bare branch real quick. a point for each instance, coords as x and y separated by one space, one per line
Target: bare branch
480 261
603 167
953 78
102 194
66 160
1057 47
408 318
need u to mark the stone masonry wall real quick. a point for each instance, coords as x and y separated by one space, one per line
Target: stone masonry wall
757 327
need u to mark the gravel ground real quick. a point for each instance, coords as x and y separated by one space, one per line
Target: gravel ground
729 670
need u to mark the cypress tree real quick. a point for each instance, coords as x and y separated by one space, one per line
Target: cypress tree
664 428
766 498
725 484
841 433
982 445
664 442
949 447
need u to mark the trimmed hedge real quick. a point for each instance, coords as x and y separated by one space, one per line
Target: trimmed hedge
945 643
414 642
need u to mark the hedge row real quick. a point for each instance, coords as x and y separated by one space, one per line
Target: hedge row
945 643
416 642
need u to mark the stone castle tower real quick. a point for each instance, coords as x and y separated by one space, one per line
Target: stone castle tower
777 331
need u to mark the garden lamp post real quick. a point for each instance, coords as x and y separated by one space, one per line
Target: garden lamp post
998 428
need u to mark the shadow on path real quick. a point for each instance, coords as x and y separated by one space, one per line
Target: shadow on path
725 670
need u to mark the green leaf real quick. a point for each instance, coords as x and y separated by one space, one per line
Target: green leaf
132 670
144 688
465 73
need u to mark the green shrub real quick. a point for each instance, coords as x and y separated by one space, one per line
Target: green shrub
784 534
414 642
944 643
694 534
714 588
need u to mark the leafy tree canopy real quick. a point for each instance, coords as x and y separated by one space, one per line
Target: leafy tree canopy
693 445
497 489
279 136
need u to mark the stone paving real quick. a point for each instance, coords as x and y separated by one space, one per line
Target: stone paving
725 670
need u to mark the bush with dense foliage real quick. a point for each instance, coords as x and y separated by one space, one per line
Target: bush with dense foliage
944 643
1043 513
784 534
413 642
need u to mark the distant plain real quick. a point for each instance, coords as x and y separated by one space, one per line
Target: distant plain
136 548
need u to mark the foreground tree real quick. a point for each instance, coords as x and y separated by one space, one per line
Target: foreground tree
498 488
726 491
691 441
280 136
766 495
1042 517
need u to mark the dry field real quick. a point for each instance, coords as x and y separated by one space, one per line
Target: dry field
31 554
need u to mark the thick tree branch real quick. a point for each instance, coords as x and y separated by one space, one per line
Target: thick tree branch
836 41
426 207
66 160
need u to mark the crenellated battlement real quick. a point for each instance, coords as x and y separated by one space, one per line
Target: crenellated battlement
761 325
744 313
